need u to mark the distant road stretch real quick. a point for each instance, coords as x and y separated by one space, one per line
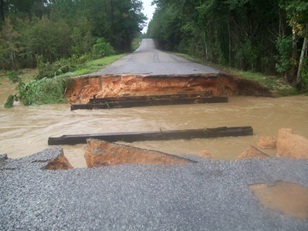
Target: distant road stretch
149 60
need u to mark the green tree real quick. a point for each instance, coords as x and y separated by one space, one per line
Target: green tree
297 16
56 29
240 33
82 38
50 39
102 48
9 46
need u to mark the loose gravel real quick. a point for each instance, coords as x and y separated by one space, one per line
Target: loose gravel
207 195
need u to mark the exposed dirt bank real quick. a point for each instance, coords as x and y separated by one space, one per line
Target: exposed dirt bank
58 163
100 153
84 88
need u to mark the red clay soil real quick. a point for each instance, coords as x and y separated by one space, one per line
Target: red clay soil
101 153
59 163
252 152
84 88
291 145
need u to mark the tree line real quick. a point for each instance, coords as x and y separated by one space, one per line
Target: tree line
258 35
48 30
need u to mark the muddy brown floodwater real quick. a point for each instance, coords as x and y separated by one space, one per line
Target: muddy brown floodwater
25 130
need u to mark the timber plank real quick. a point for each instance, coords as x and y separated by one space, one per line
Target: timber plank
143 102
158 135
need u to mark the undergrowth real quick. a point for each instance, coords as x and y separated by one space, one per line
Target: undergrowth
43 91
95 65
51 88
278 85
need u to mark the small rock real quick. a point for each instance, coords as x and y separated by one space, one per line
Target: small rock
291 145
267 142
252 152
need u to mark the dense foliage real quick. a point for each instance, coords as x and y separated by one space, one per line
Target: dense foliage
59 37
37 92
258 35
44 31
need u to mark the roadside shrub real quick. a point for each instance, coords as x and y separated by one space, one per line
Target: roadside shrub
9 102
50 70
43 91
102 48
62 66
13 76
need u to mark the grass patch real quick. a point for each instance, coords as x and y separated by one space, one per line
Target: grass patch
189 57
95 65
279 86
136 43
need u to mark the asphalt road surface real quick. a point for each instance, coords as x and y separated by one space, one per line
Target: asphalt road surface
207 195
148 60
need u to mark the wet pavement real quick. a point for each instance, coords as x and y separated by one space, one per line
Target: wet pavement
149 60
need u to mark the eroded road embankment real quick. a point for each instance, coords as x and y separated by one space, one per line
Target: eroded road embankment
84 88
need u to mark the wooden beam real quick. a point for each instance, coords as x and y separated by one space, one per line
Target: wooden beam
158 135
128 102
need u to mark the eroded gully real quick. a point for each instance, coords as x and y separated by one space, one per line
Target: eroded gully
25 130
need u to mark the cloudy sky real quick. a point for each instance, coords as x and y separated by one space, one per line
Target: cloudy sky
148 10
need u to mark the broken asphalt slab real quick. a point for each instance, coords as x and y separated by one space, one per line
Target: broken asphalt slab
207 195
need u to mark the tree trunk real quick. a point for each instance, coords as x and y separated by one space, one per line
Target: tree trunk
304 48
230 44
2 10
294 57
112 15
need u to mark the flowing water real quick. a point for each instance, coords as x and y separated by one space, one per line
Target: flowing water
25 130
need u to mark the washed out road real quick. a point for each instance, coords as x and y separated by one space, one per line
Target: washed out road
149 60
206 195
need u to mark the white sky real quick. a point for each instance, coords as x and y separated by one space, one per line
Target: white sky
148 10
